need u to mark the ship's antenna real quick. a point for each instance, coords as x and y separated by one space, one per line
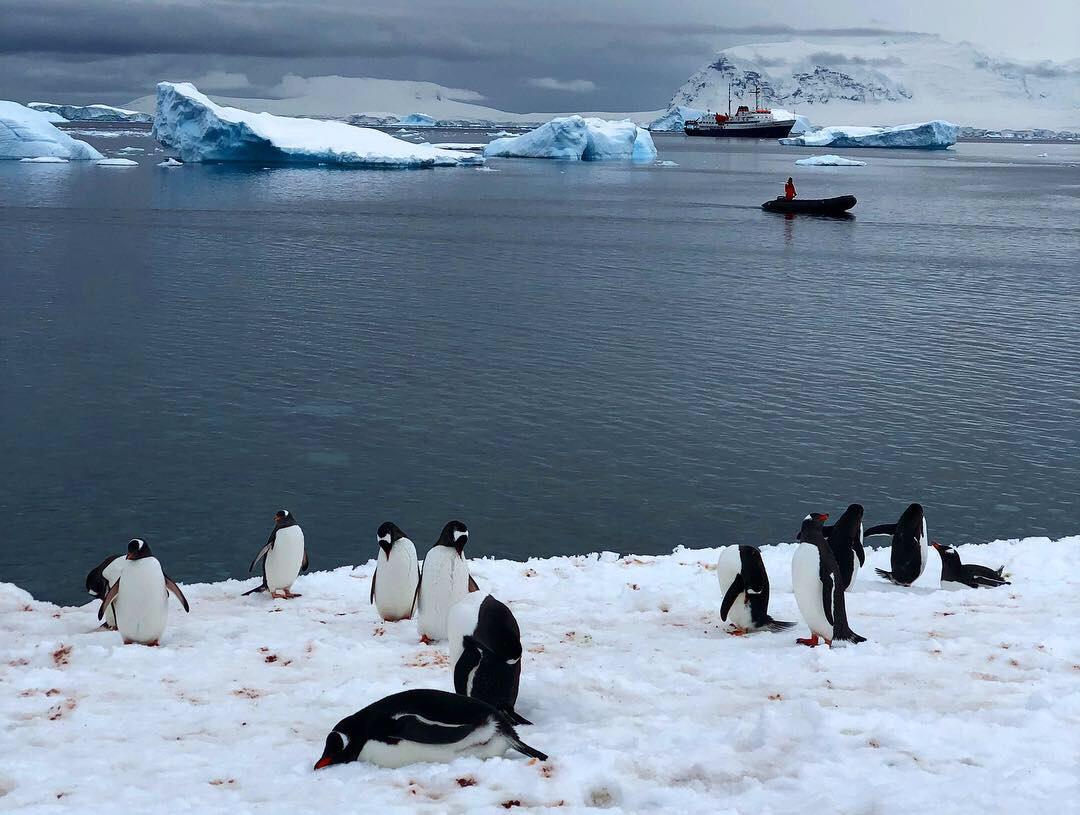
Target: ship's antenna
729 98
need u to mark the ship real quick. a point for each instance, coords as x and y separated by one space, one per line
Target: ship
758 123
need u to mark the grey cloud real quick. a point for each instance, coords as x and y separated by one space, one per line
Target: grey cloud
548 83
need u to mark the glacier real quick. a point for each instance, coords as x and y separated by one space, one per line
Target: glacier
578 138
200 130
91 113
27 133
829 161
935 135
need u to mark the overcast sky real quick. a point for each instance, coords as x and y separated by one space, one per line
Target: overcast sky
521 56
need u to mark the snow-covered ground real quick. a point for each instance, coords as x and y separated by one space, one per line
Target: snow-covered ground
962 701
935 135
27 133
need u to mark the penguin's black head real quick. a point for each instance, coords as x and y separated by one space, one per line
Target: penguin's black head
283 518
388 535
855 512
342 745
947 553
812 521
137 549
454 534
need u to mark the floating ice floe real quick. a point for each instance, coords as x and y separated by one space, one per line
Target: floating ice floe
935 135
200 130
91 113
666 164
465 146
116 162
171 162
43 160
131 150
27 133
501 134
578 138
829 160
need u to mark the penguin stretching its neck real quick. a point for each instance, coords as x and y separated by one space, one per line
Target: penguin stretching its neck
818 586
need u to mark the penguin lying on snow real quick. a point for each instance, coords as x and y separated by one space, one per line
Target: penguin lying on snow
444 581
910 547
846 541
141 596
397 575
485 652
745 587
818 586
101 579
422 725
283 557
970 574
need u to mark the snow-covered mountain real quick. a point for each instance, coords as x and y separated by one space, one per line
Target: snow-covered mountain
889 81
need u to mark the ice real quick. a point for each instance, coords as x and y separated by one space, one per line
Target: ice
935 135
88 113
27 133
802 123
500 134
200 130
829 160
639 695
675 118
417 120
116 162
666 164
578 138
171 162
43 160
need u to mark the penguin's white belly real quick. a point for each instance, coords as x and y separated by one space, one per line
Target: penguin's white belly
112 573
461 622
395 583
484 742
728 567
142 604
807 586
854 573
283 561
446 580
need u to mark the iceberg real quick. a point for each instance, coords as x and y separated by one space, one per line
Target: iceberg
935 135
171 162
577 138
675 119
55 160
200 130
116 162
829 161
27 133
91 113
417 120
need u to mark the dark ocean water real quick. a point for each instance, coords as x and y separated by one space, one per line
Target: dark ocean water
569 357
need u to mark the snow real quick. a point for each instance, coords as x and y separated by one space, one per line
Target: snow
27 133
578 138
103 134
43 160
829 160
417 120
171 162
962 701
201 130
935 135
85 113
116 162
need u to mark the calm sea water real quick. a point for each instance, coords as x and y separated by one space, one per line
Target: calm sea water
569 357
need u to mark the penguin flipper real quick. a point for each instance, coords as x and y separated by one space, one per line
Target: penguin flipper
860 553
467 662
416 594
374 574
887 575
109 597
737 587
827 597
472 584
414 727
262 554
304 564
175 589
516 717
880 529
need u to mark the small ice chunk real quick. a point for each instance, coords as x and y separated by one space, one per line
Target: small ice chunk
44 160
829 160
116 162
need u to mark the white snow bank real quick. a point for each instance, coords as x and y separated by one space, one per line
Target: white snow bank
935 135
43 160
578 138
962 701
829 160
200 130
26 133
116 162
88 113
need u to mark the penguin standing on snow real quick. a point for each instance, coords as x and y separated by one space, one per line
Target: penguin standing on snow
283 557
744 585
970 574
141 596
485 652
444 580
101 579
845 538
422 725
910 547
818 586
397 575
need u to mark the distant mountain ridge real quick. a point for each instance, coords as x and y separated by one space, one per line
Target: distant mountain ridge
888 81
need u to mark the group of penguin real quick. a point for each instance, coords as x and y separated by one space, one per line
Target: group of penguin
824 567
483 636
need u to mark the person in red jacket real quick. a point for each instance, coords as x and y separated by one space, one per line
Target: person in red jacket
789 189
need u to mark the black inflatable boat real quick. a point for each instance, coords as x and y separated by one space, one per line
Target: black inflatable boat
811 206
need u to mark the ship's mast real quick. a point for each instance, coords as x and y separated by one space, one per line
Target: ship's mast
729 99
757 99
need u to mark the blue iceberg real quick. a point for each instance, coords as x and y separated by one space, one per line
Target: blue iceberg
417 120
935 135
675 119
92 113
576 138
26 133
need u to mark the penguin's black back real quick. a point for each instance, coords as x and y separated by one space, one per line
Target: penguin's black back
906 555
96 583
844 541
492 656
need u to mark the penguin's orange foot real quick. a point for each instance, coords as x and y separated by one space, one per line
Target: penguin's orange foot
810 642
737 632
426 640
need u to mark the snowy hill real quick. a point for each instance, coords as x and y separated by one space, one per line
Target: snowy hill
868 81
344 96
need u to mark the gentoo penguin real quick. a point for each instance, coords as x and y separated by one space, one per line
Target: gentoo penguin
818 587
141 596
970 574
845 538
485 652
444 580
910 547
744 585
283 557
397 575
101 579
422 725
